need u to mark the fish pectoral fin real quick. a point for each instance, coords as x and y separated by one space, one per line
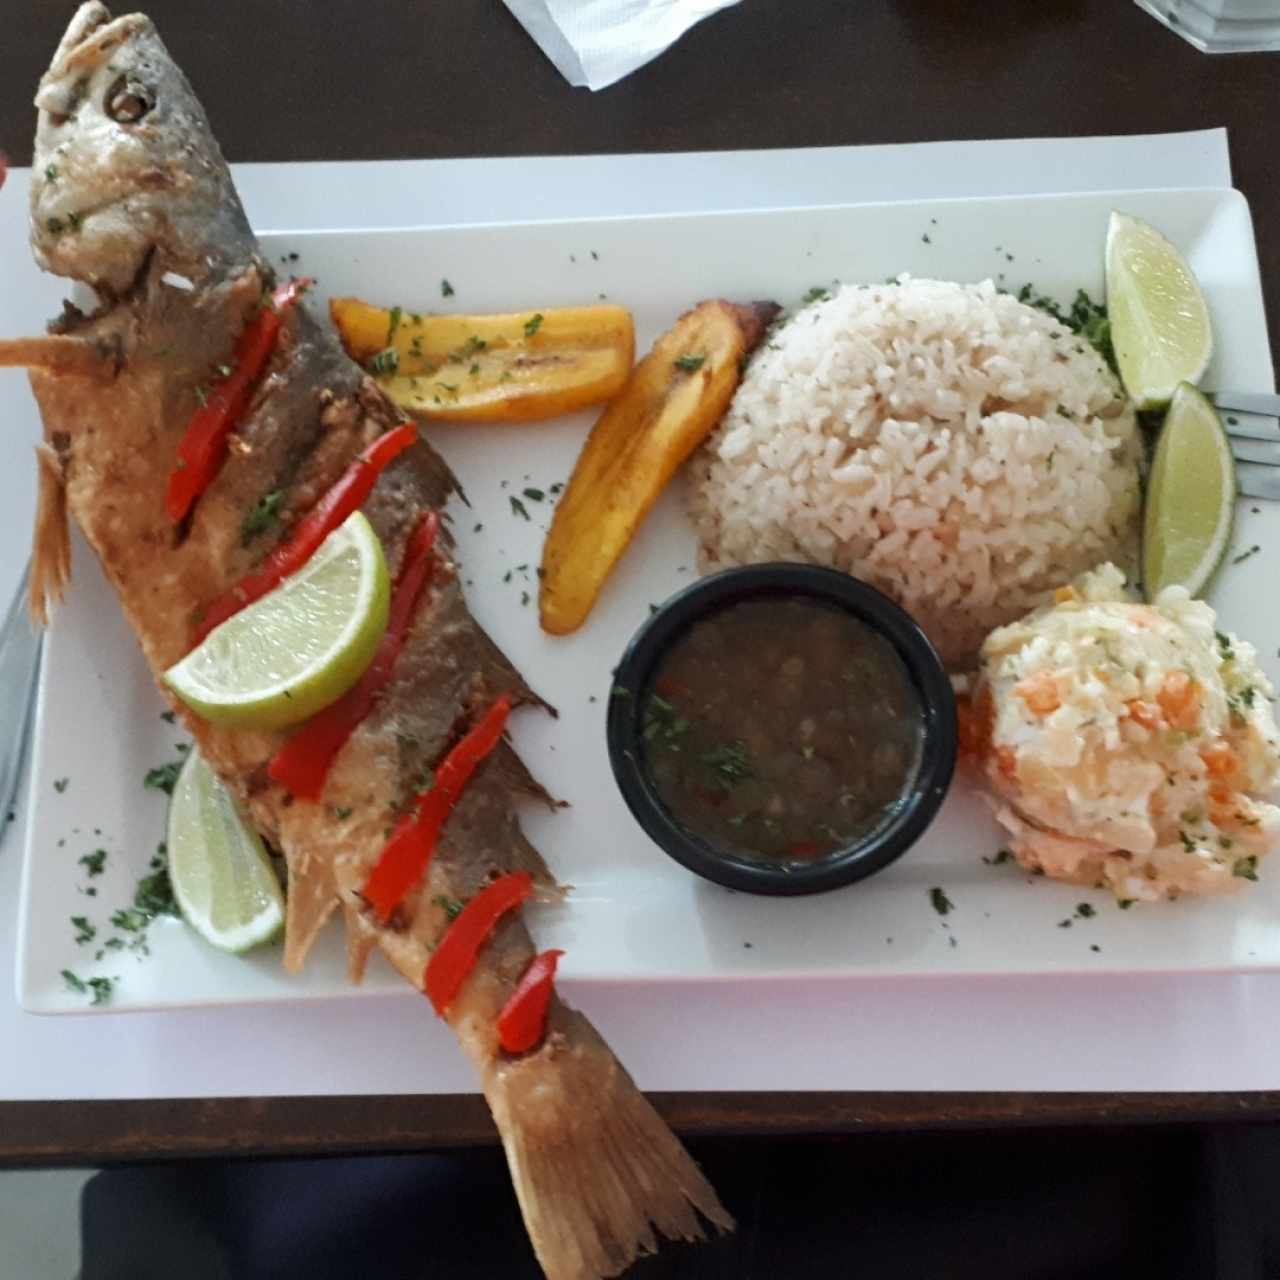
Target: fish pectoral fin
63 355
51 538
595 1168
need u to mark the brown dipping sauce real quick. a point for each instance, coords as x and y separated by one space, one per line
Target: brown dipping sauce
781 729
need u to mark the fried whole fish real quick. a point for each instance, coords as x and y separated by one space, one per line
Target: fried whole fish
132 198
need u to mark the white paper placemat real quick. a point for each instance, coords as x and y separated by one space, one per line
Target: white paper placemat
1079 1034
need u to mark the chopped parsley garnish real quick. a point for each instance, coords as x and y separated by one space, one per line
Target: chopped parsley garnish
941 903
60 784
169 717
393 323
663 725
342 812
517 507
76 984
101 988
1242 700
85 932
1244 555
50 173
56 226
446 289
1085 317
534 495
729 762
154 893
690 364
533 324
1085 911
1224 646
451 907
129 919
264 514
386 361
1000 855
163 777
94 862
1187 842
816 294
1125 903
1245 868
473 346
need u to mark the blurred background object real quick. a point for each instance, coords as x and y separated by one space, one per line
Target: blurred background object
1222 26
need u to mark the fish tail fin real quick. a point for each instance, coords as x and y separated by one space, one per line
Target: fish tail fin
51 539
596 1169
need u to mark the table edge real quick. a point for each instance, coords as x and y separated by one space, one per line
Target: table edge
97 1132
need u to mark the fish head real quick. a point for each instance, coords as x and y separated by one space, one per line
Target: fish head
127 174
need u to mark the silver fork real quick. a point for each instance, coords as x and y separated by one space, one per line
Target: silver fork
19 661
1252 420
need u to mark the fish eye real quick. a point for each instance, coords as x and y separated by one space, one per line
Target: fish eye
128 100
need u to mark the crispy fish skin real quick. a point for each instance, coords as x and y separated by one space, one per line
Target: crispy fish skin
131 196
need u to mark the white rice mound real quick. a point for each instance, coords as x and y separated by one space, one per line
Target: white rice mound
962 451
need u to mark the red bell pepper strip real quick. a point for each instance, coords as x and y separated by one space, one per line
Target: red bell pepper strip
204 444
804 849
453 959
406 854
346 495
523 1020
302 764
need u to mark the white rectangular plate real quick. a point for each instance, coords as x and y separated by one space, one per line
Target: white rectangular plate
634 915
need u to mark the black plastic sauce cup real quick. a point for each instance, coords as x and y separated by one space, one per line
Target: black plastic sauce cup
920 799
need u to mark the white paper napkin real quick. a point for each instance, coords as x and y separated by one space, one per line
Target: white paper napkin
597 42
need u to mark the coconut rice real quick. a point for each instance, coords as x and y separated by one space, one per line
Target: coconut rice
959 449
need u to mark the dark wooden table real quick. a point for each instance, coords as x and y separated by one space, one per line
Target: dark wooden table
295 80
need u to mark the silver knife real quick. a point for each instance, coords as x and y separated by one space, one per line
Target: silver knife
19 662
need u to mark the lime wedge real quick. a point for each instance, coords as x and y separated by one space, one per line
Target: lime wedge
1159 319
221 874
1191 497
300 647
